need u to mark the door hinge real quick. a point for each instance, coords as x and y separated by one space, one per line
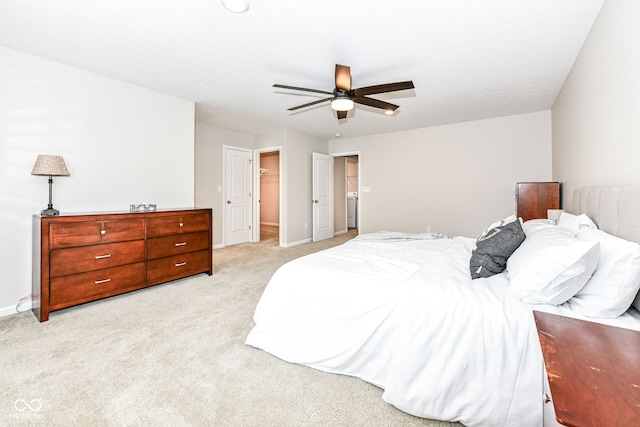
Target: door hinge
249 194
249 227
250 161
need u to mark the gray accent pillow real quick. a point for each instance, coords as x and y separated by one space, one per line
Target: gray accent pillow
494 247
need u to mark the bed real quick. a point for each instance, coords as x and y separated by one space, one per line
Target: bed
403 312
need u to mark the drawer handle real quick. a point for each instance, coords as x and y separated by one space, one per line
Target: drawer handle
103 256
99 282
103 231
180 264
181 244
181 224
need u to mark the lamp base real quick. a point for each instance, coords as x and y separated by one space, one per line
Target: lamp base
50 212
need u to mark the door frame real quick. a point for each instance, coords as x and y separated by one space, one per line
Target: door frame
358 205
256 192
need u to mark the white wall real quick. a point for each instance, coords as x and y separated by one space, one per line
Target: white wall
209 159
596 122
122 144
295 158
298 164
456 179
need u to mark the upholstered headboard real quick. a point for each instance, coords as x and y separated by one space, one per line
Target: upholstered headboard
615 210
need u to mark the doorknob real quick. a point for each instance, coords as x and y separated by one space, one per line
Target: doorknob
228 202
314 201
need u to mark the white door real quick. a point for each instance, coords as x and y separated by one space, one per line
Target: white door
322 194
237 202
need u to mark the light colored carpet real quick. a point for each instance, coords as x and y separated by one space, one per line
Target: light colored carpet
174 355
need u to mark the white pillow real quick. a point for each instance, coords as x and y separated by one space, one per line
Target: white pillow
534 224
507 220
616 280
575 223
551 266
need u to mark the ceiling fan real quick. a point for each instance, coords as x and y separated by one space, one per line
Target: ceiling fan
343 97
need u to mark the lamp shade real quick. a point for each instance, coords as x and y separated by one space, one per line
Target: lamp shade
49 164
554 214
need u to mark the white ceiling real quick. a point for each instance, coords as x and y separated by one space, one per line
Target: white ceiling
468 59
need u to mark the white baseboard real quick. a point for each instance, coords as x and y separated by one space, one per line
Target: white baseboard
11 310
299 242
337 233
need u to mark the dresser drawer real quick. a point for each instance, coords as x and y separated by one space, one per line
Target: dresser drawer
89 258
122 230
64 235
178 266
178 244
166 225
83 286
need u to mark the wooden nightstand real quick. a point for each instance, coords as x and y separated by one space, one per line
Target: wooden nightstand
593 371
534 198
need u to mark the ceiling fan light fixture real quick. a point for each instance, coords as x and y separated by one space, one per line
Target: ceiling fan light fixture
343 98
236 6
342 104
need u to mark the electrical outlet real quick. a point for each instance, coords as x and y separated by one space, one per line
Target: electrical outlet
428 229
306 225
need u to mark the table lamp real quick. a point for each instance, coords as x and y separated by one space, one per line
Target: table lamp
51 165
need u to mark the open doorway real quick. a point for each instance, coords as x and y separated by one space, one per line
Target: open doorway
346 193
352 192
269 197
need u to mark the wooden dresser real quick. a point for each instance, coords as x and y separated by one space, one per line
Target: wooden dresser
593 371
534 198
84 257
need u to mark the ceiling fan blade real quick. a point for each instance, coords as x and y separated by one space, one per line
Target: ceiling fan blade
375 103
343 77
309 104
388 87
342 114
303 89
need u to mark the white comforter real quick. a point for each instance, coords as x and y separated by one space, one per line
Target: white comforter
402 312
